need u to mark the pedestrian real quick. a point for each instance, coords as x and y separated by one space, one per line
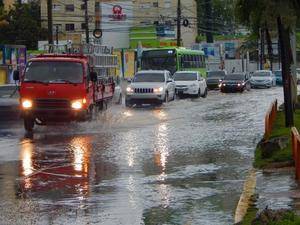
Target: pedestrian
233 70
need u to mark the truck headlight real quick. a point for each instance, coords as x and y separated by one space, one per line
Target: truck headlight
77 104
27 104
158 90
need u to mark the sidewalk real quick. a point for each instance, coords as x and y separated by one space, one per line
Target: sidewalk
9 103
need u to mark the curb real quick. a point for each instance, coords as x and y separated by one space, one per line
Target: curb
245 198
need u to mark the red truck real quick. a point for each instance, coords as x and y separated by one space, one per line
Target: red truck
66 87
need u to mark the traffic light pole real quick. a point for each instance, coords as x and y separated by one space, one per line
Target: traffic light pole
179 23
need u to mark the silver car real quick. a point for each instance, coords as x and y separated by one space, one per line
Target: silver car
263 78
150 87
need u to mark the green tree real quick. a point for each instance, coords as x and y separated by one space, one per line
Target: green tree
274 15
21 25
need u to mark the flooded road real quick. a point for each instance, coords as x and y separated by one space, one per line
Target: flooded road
183 163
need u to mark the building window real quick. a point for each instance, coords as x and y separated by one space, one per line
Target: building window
97 6
56 7
168 4
83 26
155 4
82 6
70 27
70 8
145 6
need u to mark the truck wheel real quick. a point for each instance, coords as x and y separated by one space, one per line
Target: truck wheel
28 124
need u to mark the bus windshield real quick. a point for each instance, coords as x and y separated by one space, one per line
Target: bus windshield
159 63
54 72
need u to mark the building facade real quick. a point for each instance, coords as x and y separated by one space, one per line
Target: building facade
69 18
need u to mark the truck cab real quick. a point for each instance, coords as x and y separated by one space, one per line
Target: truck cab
61 88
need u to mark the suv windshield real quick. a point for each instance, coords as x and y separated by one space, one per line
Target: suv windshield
261 74
149 77
235 77
185 76
215 74
54 72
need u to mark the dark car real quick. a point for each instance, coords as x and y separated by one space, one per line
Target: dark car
278 75
214 78
236 82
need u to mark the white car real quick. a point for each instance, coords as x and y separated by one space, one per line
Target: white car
190 83
150 87
263 78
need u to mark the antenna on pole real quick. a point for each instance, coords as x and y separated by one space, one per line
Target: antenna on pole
86 17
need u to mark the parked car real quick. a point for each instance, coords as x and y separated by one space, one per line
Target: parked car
150 87
190 83
235 82
263 78
278 76
214 78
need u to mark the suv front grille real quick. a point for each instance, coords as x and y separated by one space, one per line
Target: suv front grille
143 90
52 104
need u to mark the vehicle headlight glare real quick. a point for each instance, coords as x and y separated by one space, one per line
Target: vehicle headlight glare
158 90
76 104
27 104
129 89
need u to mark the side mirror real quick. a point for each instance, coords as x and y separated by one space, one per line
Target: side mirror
129 80
16 75
93 76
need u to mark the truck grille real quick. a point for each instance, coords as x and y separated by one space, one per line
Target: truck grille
52 104
143 90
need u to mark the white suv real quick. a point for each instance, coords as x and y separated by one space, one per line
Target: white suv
190 83
150 87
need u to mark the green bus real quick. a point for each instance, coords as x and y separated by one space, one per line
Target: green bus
173 59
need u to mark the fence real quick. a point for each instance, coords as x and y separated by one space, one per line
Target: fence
296 150
269 119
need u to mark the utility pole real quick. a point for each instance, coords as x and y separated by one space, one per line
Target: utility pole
56 34
208 10
262 48
179 23
50 21
286 73
86 17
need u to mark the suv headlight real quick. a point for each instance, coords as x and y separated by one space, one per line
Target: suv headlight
194 85
129 90
158 90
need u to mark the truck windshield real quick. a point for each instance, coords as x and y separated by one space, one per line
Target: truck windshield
185 76
149 77
54 72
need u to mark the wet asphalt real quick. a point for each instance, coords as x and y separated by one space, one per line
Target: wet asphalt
182 163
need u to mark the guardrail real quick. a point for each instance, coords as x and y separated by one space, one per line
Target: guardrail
296 150
269 119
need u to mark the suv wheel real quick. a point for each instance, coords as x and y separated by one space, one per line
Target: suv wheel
205 93
167 97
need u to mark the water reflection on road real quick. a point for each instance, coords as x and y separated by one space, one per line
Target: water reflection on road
183 163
